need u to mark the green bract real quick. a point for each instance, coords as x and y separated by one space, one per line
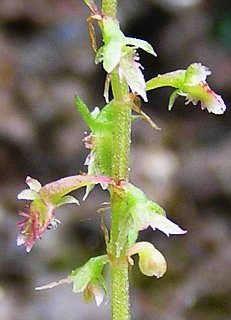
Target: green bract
90 272
100 139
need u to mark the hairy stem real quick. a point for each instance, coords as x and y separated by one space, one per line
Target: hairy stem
109 7
120 171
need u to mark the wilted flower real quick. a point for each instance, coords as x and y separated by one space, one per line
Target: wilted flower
39 214
151 260
191 84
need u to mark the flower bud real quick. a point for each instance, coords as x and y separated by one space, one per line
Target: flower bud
151 260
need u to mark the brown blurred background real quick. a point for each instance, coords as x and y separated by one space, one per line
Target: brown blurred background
45 58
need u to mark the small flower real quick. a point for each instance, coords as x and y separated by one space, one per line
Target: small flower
87 279
32 227
191 84
130 69
118 51
94 290
99 141
116 43
147 213
151 260
208 98
39 214
121 51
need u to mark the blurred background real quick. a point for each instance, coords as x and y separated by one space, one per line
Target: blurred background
45 58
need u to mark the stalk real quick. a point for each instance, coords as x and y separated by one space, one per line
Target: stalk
120 171
109 7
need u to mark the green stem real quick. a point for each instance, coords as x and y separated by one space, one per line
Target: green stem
109 7
120 171
120 297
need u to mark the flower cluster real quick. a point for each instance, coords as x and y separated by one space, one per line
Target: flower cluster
120 60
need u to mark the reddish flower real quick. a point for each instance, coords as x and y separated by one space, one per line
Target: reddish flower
33 227
39 214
